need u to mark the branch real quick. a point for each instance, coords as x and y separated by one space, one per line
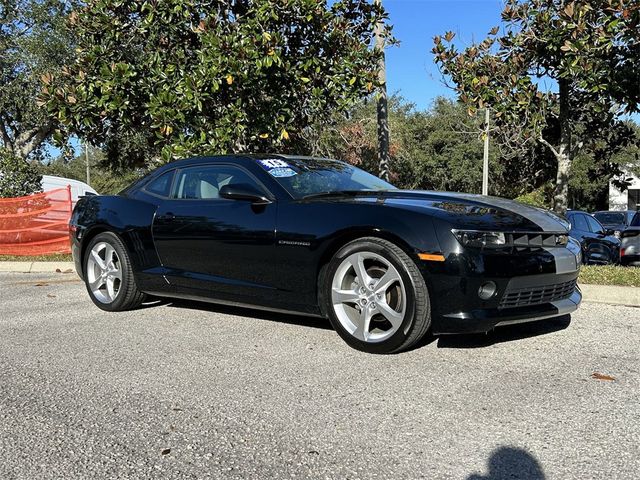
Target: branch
28 141
545 142
6 139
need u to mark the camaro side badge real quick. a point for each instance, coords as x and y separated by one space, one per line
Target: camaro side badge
291 242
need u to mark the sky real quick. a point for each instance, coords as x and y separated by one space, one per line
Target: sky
410 67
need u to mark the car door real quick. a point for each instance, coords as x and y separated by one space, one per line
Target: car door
580 231
601 247
213 246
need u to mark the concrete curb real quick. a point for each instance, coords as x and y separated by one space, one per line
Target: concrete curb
36 267
611 294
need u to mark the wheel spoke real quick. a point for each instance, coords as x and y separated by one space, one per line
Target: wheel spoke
390 314
357 262
344 296
117 273
108 254
111 292
362 330
96 258
389 278
96 284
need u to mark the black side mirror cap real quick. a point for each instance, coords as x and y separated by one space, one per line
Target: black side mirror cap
244 191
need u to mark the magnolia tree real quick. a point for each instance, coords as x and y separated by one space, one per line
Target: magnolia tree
589 49
32 43
182 77
17 177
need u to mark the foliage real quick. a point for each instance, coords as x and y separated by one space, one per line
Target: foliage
436 149
32 43
184 77
588 47
538 198
17 177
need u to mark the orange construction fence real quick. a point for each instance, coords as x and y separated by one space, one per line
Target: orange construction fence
37 224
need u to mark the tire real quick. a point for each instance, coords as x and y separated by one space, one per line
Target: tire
111 266
388 315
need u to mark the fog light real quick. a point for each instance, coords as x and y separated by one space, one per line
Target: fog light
487 290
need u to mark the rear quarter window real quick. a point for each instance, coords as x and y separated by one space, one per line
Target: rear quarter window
161 186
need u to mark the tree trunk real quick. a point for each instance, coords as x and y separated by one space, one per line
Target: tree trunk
383 111
564 154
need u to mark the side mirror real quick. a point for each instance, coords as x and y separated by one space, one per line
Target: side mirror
244 191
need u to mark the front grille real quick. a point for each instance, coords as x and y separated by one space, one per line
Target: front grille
522 297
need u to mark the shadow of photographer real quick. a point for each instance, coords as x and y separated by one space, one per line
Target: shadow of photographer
509 463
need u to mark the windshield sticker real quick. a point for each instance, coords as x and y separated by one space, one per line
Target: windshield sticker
282 172
271 163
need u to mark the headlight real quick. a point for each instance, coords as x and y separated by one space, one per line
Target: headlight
480 239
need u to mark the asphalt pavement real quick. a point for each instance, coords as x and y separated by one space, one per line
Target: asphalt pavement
190 390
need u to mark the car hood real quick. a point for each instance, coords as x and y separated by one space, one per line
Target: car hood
469 211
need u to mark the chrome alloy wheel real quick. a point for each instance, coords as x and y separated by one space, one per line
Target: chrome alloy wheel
368 297
104 272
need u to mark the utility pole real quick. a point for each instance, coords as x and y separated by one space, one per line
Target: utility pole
485 166
86 158
382 107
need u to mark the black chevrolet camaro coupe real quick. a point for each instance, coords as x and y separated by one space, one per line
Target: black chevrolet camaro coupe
321 237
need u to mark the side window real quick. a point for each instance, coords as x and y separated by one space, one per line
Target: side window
579 222
161 186
204 183
594 225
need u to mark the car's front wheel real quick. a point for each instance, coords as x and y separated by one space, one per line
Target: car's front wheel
108 274
375 297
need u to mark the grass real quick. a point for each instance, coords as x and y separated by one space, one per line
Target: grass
610 275
56 257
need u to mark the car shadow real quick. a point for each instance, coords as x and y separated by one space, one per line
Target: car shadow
508 333
507 463
290 318
476 340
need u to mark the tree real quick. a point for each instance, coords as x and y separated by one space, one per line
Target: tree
588 48
436 149
17 177
32 44
183 77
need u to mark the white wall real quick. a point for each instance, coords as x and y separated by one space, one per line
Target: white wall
619 200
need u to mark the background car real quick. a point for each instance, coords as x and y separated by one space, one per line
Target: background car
630 243
616 221
599 247
321 237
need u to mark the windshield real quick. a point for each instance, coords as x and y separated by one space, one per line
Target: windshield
312 176
636 220
610 218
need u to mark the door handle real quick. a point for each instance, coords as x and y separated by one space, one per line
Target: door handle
167 216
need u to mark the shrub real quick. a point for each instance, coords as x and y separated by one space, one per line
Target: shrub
537 198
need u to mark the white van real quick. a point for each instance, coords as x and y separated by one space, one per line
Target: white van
78 188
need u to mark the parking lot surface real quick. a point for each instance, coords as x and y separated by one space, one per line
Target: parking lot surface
190 390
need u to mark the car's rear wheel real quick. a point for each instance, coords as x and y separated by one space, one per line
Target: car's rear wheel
108 274
375 296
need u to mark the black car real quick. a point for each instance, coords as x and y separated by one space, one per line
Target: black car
321 237
616 221
599 245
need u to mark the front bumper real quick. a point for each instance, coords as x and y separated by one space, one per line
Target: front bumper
530 285
484 320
